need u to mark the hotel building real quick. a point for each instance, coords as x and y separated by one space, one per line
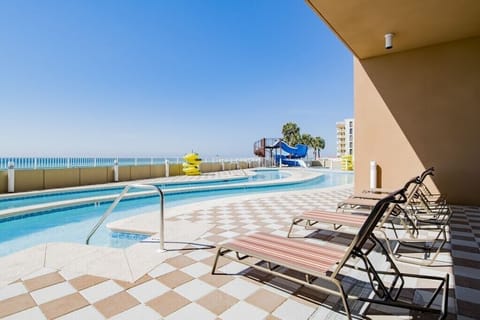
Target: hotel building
345 137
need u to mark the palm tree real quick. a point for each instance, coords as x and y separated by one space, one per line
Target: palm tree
315 145
319 144
291 133
306 139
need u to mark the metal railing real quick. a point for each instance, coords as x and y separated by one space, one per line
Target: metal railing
120 197
94 162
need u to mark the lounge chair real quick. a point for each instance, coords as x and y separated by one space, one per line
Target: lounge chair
424 201
268 252
422 177
403 224
367 199
424 208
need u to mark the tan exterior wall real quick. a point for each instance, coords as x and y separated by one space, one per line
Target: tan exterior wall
94 175
417 109
58 178
140 172
110 174
176 169
27 180
4 181
210 167
124 173
158 171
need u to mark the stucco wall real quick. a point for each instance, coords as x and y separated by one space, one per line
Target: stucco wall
28 180
417 109
3 181
59 178
94 175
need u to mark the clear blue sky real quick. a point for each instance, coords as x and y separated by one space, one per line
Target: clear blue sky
163 78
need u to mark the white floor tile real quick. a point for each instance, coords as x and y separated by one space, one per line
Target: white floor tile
197 269
138 312
101 291
192 311
229 234
68 275
39 272
233 268
89 313
160 270
227 226
12 290
291 309
239 288
53 292
32 313
243 310
148 290
198 255
194 289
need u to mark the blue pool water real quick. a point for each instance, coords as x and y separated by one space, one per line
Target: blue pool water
20 201
73 224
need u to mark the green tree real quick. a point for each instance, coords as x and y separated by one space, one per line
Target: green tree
306 139
291 133
317 145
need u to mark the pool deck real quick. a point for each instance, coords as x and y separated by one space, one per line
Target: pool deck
71 281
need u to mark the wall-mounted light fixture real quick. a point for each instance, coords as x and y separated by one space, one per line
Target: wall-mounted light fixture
389 40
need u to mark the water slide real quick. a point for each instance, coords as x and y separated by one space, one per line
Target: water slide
292 159
300 151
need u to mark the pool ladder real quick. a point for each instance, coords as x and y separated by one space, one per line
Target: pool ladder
120 197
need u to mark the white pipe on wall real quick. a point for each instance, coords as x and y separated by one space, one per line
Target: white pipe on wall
373 174
11 176
115 170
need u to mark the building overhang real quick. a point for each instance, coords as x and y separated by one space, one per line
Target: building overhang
363 24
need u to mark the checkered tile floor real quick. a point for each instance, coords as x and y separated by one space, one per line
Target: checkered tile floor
183 288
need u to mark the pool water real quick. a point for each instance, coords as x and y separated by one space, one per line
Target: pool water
20 201
73 224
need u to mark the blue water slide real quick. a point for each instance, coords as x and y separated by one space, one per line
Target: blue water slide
284 160
300 151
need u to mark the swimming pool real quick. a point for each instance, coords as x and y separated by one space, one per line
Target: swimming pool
73 224
16 201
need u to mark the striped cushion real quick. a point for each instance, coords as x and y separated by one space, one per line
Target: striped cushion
346 219
292 253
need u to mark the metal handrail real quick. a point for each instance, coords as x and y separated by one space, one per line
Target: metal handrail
120 197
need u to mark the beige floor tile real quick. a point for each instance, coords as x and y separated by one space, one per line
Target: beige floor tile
216 238
216 280
217 301
175 278
221 262
180 261
86 281
115 304
216 230
265 300
16 304
127 285
43 281
59 307
168 303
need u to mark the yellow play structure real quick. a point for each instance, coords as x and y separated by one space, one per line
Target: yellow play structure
191 166
347 162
